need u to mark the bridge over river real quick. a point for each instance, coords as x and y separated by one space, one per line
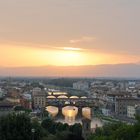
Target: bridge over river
79 102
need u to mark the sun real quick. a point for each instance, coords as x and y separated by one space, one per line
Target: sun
66 56
72 49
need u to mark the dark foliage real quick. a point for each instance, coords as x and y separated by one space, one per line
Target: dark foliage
118 131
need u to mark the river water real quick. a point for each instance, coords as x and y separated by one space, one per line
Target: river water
78 119
94 123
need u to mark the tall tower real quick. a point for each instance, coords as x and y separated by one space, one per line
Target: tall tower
86 128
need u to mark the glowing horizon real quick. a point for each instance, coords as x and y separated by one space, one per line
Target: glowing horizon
18 56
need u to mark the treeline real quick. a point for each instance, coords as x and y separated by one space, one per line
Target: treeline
20 127
117 131
63 82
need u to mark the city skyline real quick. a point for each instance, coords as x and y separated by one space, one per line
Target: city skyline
69 69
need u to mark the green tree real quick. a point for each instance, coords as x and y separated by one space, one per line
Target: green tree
76 129
15 127
117 131
49 125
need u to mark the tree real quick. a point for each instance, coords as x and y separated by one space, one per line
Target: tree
117 131
125 132
49 125
15 127
76 129
39 131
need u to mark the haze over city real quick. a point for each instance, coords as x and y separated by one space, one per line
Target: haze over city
69 33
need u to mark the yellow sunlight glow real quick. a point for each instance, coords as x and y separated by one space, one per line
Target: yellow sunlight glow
68 56
72 49
63 57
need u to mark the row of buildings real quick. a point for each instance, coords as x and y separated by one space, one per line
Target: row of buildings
121 99
117 98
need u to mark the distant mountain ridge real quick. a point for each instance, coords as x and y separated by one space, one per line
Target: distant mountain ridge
106 70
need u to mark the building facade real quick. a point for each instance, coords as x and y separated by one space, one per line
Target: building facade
81 85
26 101
131 111
121 105
39 100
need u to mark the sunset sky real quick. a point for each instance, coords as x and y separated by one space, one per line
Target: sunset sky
69 32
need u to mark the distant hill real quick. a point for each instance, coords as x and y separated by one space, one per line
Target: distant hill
116 70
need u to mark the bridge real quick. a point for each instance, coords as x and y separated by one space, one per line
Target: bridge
79 102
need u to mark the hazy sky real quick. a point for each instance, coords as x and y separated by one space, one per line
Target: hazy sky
69 32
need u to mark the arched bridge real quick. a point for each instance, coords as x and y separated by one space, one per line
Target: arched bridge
79 102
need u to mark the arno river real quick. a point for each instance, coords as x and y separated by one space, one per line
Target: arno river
71 114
